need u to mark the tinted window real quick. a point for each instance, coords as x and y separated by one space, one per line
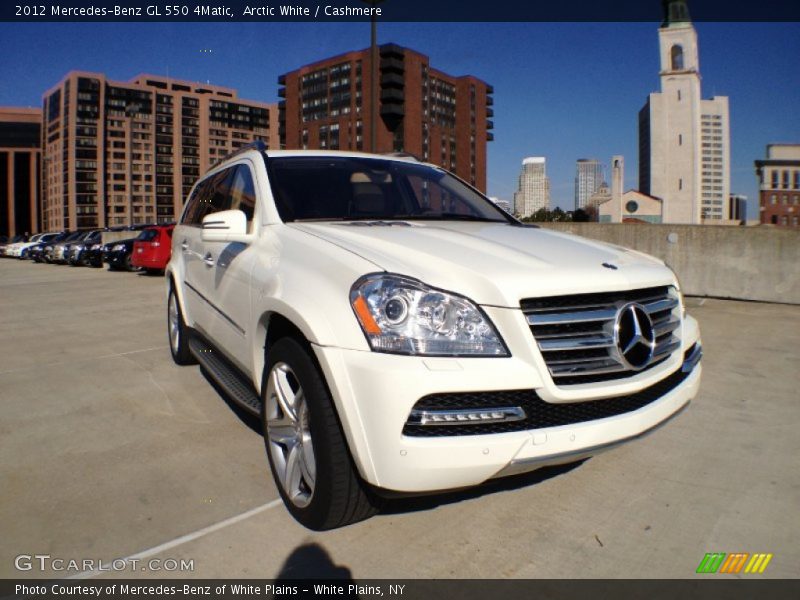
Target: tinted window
211 195
147 235
243 192
350 188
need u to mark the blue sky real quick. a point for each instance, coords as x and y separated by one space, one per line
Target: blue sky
562 90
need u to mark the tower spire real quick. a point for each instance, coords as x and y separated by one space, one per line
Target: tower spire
676 13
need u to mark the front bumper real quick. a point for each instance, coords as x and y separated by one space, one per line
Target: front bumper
375 393
115 258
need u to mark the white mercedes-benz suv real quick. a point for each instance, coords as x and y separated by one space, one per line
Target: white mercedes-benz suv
397 332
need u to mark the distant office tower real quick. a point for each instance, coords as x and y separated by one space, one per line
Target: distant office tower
534 187
128 153
684 141
588 179
504 204
779 185
437 117
737 208
20 158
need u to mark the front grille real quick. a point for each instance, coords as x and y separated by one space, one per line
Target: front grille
538 413
575 334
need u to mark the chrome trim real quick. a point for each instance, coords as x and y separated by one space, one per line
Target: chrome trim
576 343
662 328
662 349
691 361
577 339
425 417
659 305
583 316
574 368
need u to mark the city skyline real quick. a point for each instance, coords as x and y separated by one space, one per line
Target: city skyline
550 100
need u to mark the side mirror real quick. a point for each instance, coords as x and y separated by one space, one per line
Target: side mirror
226 226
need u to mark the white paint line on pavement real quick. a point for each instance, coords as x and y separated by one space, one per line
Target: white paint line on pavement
184 539
89 359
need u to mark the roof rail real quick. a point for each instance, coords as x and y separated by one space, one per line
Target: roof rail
259 145
403 155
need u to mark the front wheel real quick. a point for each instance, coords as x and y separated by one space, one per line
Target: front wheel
308 455
176 328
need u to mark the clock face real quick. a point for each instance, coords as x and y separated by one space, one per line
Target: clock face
632 206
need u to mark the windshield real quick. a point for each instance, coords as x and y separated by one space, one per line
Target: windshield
147 235
353 188
74 236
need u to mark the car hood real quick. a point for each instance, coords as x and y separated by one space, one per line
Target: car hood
494 263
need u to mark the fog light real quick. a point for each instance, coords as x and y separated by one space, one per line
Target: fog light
467 416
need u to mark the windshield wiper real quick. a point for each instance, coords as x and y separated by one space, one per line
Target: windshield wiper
450 217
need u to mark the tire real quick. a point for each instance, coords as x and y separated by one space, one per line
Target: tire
323 490
177 332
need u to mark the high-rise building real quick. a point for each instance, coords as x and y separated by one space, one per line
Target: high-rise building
534 187
437 117
128 153
779 185
737 208
20 162
588 179
684 141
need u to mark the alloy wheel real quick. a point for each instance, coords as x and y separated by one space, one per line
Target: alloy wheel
289 435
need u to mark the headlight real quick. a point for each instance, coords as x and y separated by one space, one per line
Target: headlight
118 247
96 246
404 316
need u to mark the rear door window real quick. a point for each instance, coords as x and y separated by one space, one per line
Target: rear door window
243 193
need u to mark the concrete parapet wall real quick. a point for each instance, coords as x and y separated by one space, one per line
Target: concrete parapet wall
745 263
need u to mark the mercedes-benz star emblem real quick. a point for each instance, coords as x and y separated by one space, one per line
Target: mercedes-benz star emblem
634 336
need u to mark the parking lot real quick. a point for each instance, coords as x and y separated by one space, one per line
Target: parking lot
110 451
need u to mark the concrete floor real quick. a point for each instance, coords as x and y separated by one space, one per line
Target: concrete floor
109 450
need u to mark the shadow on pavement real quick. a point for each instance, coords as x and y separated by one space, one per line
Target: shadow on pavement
312 561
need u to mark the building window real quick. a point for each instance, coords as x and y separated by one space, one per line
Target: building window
677 57
680 184
680 139
679 95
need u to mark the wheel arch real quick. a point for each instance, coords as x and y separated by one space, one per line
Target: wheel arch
274 325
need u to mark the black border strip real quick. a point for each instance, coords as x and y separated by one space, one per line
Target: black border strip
392 10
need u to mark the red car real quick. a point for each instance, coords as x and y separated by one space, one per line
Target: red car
152 249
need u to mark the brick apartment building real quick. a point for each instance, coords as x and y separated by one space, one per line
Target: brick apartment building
779 185
20 163
120 153
437 117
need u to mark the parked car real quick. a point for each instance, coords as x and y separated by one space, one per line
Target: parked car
398 332
5 246
43 239
153 248
118 255
15 250
93 256
79 249
60 252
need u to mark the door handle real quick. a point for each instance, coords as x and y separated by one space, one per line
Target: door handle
184 245
208 259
